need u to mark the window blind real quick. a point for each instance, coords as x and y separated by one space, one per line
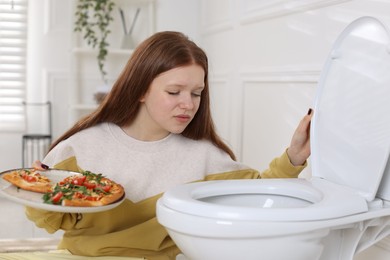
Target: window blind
13 45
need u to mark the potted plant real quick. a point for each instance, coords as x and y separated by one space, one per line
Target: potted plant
93 18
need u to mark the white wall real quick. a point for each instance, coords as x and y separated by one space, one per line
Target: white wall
178 15
265 58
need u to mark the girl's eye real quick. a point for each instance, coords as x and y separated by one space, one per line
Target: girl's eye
173 92
196 94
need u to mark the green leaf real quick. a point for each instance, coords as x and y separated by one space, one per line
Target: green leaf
92 20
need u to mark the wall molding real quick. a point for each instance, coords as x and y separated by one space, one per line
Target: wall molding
292 75
266 10
53 22
273 9
236 82
49 79
299 76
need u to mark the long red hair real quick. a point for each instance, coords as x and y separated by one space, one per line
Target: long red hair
159 53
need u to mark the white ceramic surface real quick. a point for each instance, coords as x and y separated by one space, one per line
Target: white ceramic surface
265 200
350 133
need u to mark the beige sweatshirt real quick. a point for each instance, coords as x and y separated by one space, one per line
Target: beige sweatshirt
146 170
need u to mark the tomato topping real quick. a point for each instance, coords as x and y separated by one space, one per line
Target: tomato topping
29 178
79 180
56 198
78 195
91 198
105 188
89 185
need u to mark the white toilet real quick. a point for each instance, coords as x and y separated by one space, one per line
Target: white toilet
342 209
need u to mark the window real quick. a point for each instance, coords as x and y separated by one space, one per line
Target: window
13 45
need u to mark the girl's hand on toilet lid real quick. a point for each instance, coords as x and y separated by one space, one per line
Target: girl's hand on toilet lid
299 149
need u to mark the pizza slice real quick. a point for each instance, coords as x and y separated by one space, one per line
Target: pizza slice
29 179
85 190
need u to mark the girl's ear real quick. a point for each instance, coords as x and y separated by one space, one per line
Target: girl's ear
143 98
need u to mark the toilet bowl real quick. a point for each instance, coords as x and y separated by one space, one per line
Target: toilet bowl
342 209
270 219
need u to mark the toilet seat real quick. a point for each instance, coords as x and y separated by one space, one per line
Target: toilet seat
350 138
265 200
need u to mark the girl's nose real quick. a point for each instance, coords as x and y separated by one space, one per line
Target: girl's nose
186 102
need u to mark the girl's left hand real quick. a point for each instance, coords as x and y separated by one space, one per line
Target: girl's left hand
299 150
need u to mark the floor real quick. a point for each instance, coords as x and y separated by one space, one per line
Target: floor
28 245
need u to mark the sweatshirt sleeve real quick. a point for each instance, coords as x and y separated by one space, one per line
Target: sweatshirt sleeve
52 221
281 167
59 158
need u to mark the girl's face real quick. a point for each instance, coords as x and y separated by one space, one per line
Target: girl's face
172 100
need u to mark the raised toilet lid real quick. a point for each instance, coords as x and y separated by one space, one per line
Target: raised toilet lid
350 131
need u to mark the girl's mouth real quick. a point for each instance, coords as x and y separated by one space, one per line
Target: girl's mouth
183 118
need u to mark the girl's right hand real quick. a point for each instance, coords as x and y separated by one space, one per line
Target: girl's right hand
38 165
